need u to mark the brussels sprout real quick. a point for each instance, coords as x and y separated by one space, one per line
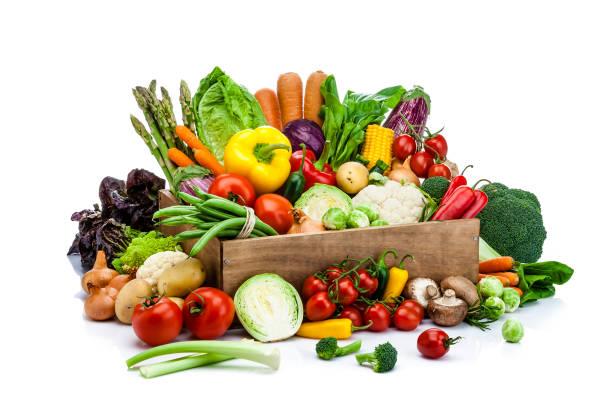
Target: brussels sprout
379 223
511 299
371 210
358 219
494 307
513 331
334 219
490 286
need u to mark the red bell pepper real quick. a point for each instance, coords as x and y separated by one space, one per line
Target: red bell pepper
311 174
458 202
479 203
455 183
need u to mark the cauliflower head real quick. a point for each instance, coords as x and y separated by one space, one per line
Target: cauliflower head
156 264
397 203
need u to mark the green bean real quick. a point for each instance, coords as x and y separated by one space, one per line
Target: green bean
191 234
175 210
180 220
211 233
238 210
188 198
219 215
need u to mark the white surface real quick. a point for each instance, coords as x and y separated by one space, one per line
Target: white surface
523 91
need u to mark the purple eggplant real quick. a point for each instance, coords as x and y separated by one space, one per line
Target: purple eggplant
415 106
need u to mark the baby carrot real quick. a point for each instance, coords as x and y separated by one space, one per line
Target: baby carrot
520 292
269 105
501 264
187 136
511 276
179 158
206 159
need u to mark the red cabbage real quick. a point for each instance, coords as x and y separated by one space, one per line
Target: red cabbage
305 131
415 105
203 183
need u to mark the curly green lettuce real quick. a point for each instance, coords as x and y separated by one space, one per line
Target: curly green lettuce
142 247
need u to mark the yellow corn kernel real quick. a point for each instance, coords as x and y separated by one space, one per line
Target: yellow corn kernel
378 145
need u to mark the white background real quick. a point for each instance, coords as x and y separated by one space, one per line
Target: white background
523 90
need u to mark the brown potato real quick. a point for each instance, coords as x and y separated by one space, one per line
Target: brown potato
129 296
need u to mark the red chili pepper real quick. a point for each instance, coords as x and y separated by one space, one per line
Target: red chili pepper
458 203
311 174
456 182
479 203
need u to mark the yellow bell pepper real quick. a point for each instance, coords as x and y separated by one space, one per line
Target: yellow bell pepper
338 328
261 155
398 276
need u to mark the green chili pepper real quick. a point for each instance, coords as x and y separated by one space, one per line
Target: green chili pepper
382 273
294 186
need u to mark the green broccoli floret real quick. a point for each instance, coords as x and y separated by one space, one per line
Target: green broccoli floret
511 223
327 348
383 358
435 187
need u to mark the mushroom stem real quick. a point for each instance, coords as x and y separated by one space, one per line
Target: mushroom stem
431 291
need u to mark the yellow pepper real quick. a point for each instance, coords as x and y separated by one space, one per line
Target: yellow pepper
398 276
338 328
261 155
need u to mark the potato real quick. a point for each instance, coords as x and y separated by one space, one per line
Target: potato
179 301
181 278
129 296
352 177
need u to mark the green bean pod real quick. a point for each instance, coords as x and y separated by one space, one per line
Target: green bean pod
175 211
211 233
180 220
191 234
188 198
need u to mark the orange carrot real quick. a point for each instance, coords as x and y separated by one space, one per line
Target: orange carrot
511 276
312 96
269 105
501 264
520 292
206 159
504 281
189 138
179 158
289 90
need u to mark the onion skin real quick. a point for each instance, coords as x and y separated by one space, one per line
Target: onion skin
119 281
100 275
404 174
100 305
303 223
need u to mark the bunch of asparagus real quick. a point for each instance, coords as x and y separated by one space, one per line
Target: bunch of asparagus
159 114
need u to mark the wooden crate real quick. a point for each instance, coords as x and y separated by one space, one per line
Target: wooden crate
440 248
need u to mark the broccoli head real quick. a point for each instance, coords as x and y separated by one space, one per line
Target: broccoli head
435 187
327 348
383 358
511 223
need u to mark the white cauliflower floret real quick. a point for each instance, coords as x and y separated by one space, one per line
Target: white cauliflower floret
156 264
397 203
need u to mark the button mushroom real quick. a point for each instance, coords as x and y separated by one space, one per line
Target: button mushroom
463 287
422 290
447 310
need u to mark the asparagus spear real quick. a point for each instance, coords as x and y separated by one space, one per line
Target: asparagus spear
146 137
153 86
187 107
158 113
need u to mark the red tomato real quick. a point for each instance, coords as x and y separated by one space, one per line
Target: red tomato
437 144
234 187
208 313
415 307
333 272
420 163
319 307
367 282
274 210
434 343
312 285
347 294
157 321
439 170
351 312
404 146
406 319
379 316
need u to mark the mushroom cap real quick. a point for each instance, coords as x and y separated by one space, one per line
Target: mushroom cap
447 310
422 290
463 287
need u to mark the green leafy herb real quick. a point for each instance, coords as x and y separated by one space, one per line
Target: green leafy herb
537 279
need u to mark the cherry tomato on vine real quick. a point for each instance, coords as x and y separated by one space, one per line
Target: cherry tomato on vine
333 272
434 343
404 146
274 210
351 312
379 316
367 282
157 321
208 313
439 170
319 307
420 163
406 319
234 187
415 307
347 293
312 285
437 144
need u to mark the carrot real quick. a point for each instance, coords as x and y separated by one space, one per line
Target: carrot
289 90
179 158
312 96
504 281
206 159
501 264
511 276
269 105
520 292
189 138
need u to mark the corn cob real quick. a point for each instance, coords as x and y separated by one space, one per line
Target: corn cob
378 145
